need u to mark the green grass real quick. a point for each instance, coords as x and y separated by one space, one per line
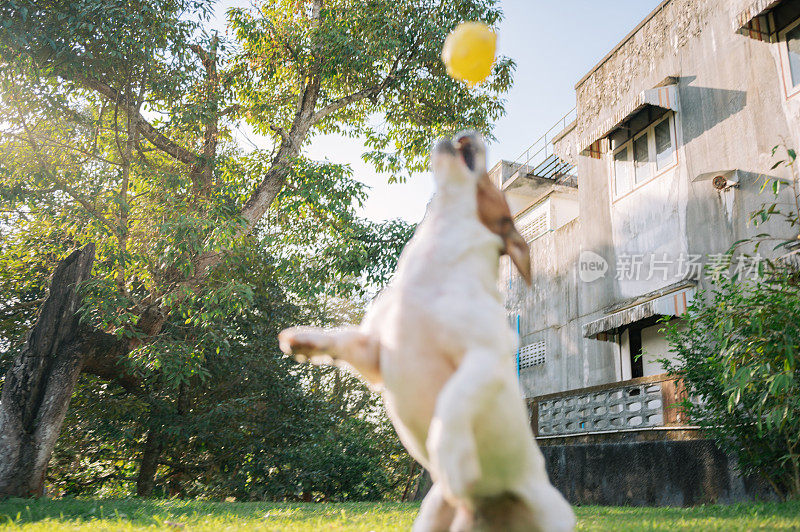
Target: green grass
133 514
761 516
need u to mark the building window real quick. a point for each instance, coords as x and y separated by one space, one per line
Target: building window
595 150
790 56
644 155
665 147
535 222
532 354
622 182
641 158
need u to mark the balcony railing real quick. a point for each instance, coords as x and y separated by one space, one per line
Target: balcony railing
635 404
540 159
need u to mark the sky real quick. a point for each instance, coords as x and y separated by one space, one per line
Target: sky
553 44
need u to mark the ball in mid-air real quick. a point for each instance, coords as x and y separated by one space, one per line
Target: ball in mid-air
469 51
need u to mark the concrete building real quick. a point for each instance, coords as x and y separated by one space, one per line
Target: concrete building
626 201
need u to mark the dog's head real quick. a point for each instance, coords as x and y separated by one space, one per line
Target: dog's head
463 159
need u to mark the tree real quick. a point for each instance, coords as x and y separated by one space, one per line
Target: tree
259 427
116 131
215 406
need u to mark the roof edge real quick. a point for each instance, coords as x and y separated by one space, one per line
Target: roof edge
624 40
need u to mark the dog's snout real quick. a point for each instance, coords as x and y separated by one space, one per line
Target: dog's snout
467 148
466 137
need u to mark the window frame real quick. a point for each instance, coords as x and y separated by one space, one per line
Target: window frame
789 90
649 140
655 172
630 178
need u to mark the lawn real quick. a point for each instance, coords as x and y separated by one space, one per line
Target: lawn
129 515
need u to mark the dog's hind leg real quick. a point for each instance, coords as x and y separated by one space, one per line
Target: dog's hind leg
550 509
435 513
346 345
451 440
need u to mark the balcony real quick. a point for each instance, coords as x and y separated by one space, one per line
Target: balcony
541 162
643 403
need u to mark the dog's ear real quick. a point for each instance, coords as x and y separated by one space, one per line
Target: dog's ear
494 213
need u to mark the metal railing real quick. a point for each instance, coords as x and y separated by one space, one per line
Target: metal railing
635 404
541 160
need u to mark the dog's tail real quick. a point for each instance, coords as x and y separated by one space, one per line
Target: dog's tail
346 345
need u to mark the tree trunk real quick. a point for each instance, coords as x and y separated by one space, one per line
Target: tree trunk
39 383
175 485
423 486
411 475
151 453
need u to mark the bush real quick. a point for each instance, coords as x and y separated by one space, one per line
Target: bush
737 351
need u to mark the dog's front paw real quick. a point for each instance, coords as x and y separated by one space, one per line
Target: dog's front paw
305 343
454 457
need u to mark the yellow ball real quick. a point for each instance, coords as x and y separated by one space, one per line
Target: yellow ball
469 51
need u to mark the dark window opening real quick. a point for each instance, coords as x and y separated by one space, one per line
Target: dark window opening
785 13
635 124
635 341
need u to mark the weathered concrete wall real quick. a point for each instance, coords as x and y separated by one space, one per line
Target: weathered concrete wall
644 58
565 144
502 171
650 220
732 111
564 209
650 473
551 312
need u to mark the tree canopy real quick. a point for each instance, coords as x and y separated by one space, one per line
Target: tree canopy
118 122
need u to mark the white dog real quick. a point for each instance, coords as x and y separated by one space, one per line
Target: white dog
438 341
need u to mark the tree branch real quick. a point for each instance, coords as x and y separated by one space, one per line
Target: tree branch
148 131
344 101
234 108
104 357
369 92
74 194
202 173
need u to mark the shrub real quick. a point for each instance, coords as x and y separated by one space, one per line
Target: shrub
738 356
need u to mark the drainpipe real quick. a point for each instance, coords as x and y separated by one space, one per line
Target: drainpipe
519 346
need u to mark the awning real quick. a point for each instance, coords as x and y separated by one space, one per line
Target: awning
669 301
754 21
665 97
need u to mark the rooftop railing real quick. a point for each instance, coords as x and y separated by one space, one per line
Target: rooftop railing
541 160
